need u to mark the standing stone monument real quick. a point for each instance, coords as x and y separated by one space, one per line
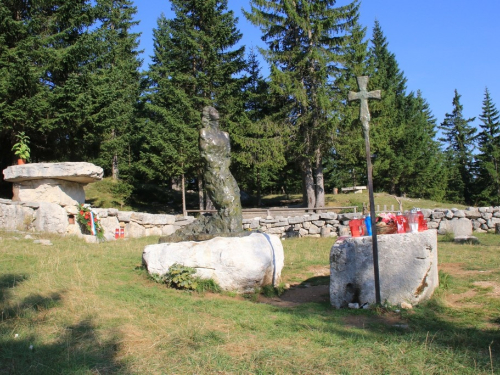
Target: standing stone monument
216 246
221 186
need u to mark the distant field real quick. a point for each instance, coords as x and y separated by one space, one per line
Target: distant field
155 199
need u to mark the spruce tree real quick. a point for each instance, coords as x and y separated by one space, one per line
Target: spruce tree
194 64
304 38
459 136
115 84
388 115
346 165
487 160
259 143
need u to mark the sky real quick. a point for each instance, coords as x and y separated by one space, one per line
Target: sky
440 45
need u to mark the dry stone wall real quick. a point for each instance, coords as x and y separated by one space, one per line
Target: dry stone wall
53 218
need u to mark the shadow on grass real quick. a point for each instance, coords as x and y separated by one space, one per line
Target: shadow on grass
429 327
77 348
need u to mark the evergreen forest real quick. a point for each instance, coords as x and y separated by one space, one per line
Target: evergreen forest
73 85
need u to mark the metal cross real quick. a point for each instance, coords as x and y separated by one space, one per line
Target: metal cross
364 114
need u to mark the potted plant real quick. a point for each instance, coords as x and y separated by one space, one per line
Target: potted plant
21 148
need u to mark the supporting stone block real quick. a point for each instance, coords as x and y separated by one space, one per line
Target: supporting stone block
407 264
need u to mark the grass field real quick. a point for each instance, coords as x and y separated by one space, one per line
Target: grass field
77 308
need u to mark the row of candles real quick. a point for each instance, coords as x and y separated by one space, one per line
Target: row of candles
410 222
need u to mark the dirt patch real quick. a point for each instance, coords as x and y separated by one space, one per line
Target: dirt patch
458 300
388 318
489 284
457 269
297 295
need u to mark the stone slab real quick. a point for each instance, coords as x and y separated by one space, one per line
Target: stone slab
64 193
407 266
81 172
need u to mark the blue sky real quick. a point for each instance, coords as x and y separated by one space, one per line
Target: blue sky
440 45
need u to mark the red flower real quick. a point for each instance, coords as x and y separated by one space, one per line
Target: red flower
95 220
81 212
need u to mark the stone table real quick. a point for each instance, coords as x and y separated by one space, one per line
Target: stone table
60 183
408 269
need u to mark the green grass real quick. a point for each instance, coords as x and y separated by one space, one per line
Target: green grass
91 309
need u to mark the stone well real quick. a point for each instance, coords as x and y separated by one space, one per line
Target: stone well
407 266
60 183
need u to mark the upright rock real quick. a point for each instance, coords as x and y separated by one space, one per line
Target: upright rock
407 264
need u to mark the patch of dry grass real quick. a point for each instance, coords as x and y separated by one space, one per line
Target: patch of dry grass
88 309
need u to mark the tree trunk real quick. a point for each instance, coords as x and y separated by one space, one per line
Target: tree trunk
114 163
114 172
201 199
308 183
320 181
183 187
259 189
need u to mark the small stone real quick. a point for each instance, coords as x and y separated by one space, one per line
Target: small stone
353 305
406 306
43 242
28 237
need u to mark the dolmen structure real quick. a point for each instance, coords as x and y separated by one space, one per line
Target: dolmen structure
59 183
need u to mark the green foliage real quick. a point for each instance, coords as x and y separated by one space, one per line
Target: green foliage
408 157
459 136
487 160
181 277
21 148
304 38
195 64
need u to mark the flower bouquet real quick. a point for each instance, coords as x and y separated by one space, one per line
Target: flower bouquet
89 222
386 223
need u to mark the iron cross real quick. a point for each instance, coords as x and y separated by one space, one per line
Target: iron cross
364 115
363 96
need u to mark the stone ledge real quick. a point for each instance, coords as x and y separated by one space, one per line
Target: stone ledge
80 172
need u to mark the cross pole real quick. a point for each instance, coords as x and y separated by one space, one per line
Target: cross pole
364 114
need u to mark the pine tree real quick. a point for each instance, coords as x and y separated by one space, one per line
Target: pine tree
388 122
49 45
459 136
487 161
426 177
347 164
194 65
304 38
115 83
259 143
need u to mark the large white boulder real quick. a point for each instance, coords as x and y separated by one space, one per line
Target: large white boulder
237 264
407 267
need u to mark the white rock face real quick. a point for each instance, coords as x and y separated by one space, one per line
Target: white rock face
109 225
236 263
51 218
407 266
459 227
77 172
15 216
62 192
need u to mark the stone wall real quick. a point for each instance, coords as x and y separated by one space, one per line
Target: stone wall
454 221
53 218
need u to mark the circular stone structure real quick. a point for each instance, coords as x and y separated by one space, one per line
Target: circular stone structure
60 183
